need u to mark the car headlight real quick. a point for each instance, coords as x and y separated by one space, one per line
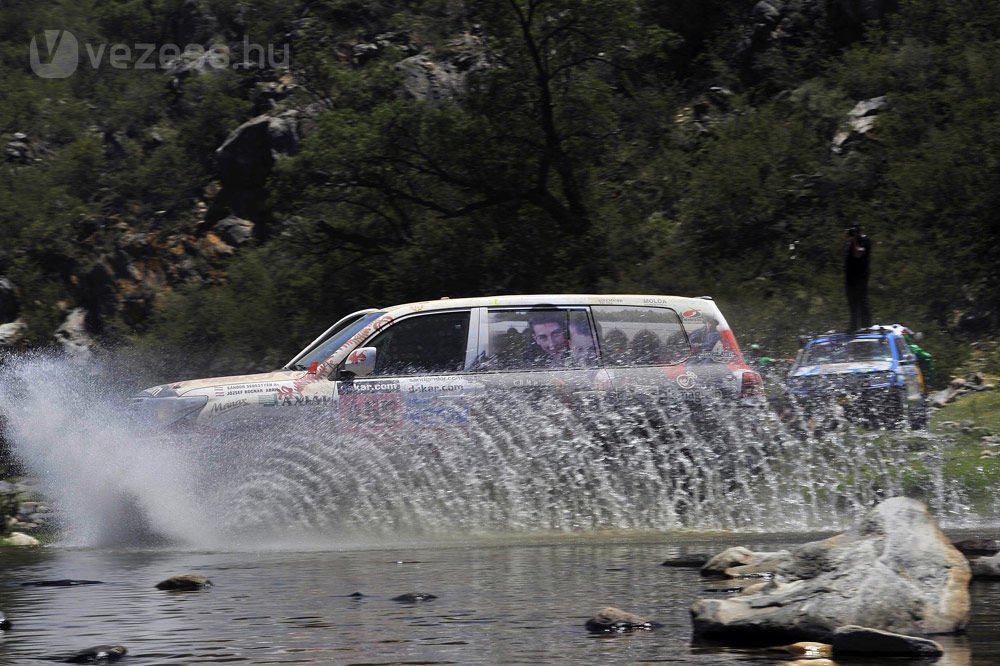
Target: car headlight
167 410
875 379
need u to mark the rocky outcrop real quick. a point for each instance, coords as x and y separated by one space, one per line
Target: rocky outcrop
73 337
894 571
247 157
20 539
438 76
860 121
739 561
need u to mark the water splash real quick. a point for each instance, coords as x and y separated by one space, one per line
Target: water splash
527 463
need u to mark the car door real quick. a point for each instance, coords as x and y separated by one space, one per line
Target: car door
419 377
650 355
534 353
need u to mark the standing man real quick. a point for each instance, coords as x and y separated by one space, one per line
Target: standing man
857 256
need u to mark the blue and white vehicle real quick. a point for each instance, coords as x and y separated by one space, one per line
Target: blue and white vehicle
872 374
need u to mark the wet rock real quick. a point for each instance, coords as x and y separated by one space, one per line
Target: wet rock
99 654
184 582
63 582
4 622
356 595
807 649
615 620
852 639
977 547
893 571
12 333
694 561
414 597
985 567
740 561
20 539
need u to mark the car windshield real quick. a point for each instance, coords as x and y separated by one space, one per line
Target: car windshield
322 350
847 351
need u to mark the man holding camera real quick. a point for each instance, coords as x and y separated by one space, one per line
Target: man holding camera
857 255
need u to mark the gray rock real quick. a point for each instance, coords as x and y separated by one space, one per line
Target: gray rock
977 546
73 337
851 639
615 620
740 561
414 597
20 539
185 582
985 567
234 230
894 571
98 654
12 333
944 396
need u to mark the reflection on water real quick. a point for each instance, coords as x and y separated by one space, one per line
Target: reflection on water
497 603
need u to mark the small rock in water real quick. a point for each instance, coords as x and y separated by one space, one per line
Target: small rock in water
63 582
808 649
356 595
414 597
695 561
98 654
184 582
4 622
615 620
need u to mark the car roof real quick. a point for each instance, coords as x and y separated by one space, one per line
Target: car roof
843 336
701 303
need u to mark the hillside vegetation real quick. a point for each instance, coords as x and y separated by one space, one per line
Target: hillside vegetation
418 149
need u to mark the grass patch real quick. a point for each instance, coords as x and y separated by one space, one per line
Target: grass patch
980 413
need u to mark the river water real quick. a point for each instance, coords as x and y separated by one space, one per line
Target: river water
523 521
499 601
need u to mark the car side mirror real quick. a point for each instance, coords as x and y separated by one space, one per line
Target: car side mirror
360 362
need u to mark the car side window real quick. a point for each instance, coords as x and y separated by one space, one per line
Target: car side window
539 338
640 335
433 343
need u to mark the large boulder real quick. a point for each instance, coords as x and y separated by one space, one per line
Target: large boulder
248 154
894 571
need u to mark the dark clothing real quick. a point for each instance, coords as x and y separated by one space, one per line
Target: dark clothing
856 281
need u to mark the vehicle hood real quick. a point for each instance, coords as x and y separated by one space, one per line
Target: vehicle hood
841 368
187 386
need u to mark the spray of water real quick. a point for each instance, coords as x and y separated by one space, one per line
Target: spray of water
514 464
